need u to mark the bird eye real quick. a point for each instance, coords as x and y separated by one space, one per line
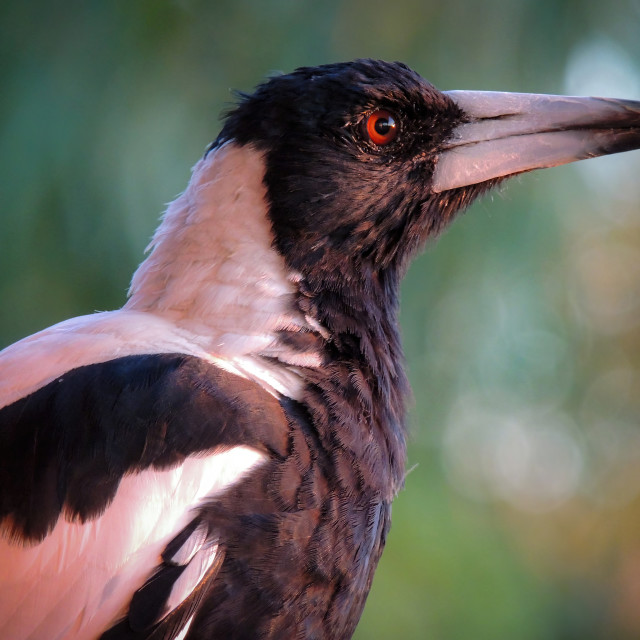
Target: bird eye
380 127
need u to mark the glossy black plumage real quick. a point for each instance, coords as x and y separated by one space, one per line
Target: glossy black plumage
337 200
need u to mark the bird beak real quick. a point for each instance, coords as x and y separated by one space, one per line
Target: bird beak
507 133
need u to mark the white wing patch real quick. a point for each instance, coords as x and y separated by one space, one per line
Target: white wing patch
80 579
39 359
192 575
190 546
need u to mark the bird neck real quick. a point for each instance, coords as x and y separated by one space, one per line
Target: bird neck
317 337
362 381
212 269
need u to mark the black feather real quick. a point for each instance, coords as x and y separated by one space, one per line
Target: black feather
68 445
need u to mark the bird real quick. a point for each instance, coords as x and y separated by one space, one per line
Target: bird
218 458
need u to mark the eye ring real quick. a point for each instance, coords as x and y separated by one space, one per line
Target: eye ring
380 127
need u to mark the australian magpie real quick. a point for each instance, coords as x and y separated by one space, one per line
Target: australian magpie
218 458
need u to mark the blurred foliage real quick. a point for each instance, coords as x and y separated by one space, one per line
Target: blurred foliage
521 325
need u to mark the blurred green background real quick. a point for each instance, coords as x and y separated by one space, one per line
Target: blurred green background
521 516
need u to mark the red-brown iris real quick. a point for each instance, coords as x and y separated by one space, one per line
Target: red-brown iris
381 127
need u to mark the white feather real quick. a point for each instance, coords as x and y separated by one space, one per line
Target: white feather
212 266
191 576
183 633
212 287
190 546
80 579
41 358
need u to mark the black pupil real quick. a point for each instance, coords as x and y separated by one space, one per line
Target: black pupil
383 126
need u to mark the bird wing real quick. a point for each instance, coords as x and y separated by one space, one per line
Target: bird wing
102 468
164 607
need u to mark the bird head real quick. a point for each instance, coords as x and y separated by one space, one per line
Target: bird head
366 159
346 170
